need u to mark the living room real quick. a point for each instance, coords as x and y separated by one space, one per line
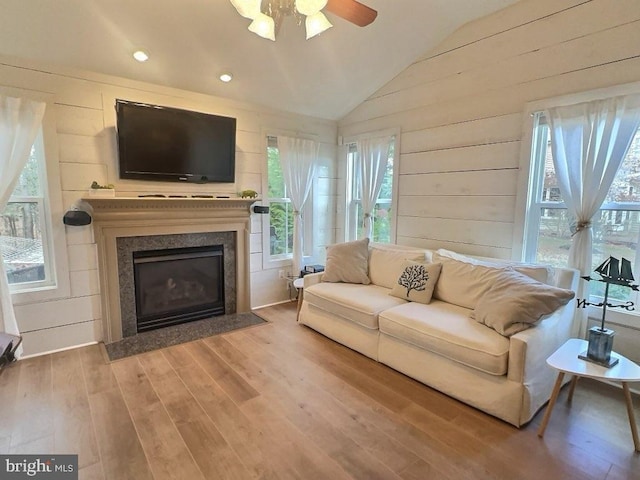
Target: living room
459 112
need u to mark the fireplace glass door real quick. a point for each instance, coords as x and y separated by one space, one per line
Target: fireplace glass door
178 285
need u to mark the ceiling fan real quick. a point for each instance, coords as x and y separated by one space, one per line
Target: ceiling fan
267 15
352 11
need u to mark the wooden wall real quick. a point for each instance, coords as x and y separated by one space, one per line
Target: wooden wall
460 109
85 125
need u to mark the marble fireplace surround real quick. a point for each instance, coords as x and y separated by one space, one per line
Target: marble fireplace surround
119 217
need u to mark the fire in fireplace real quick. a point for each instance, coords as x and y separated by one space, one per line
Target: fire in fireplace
178 285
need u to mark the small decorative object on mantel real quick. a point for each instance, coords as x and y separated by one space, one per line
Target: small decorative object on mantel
611 271
248 194
98 190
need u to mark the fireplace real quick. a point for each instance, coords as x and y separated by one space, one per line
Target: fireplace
124 225
178 285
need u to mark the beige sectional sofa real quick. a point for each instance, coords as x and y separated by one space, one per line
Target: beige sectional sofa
440 343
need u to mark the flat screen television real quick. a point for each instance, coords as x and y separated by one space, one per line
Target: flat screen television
169 144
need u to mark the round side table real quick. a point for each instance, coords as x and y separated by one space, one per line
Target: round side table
566 360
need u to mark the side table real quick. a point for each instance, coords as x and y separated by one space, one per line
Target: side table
566 360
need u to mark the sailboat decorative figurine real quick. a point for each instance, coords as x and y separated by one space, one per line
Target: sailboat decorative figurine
611 271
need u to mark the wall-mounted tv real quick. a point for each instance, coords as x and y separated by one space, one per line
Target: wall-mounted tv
169 144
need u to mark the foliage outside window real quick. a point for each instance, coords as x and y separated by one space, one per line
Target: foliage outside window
616 228
382 212
280 207
23 232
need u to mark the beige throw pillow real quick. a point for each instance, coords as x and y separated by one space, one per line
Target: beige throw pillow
516 302
541 273
386 262
416 281
348 262
462 283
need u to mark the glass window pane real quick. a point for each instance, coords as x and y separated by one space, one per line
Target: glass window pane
275 177
21 242
281 228
382 223
615 234
28 184
554 239
626 186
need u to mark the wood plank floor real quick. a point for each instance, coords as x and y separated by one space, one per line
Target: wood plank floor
281 401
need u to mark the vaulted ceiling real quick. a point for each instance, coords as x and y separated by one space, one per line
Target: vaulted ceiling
192 41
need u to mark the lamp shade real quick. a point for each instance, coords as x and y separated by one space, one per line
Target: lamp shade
247 8
316 24
263 26
310 7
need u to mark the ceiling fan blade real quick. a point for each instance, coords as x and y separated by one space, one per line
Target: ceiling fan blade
352 11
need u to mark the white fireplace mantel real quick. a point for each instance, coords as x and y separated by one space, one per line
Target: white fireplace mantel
134 216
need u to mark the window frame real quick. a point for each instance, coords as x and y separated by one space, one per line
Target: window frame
350 205
55 250
525 227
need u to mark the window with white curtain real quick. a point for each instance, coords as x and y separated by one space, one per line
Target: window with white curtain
280 209
24 228
383 212
278 225
616 228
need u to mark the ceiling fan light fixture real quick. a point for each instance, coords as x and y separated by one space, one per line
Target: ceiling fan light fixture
263 26
310 7
316 24
247 8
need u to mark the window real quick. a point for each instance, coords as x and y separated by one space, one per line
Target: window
24 231
382 213
280 208
616 229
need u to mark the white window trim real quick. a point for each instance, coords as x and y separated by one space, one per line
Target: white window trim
346 141
269 262
60 286
521 226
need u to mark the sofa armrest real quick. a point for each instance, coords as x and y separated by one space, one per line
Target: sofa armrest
312 279
529 349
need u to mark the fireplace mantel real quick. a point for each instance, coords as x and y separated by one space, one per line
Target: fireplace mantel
134 216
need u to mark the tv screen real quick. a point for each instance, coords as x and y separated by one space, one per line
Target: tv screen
169 144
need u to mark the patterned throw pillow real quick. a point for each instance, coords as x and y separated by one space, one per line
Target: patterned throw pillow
417 281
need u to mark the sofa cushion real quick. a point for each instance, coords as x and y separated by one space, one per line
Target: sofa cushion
360 304
416 281
516 302
541 273
385 262
462 283
348 262
447 330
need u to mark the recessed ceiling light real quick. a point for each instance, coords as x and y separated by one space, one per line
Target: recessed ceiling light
141 55
226 77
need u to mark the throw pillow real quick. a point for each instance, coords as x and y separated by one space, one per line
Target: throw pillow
462 283
386 262
516 302
417 281
348 262
541 273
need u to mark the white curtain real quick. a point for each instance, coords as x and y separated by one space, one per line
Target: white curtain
20 120
299 160
589 141
373 158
